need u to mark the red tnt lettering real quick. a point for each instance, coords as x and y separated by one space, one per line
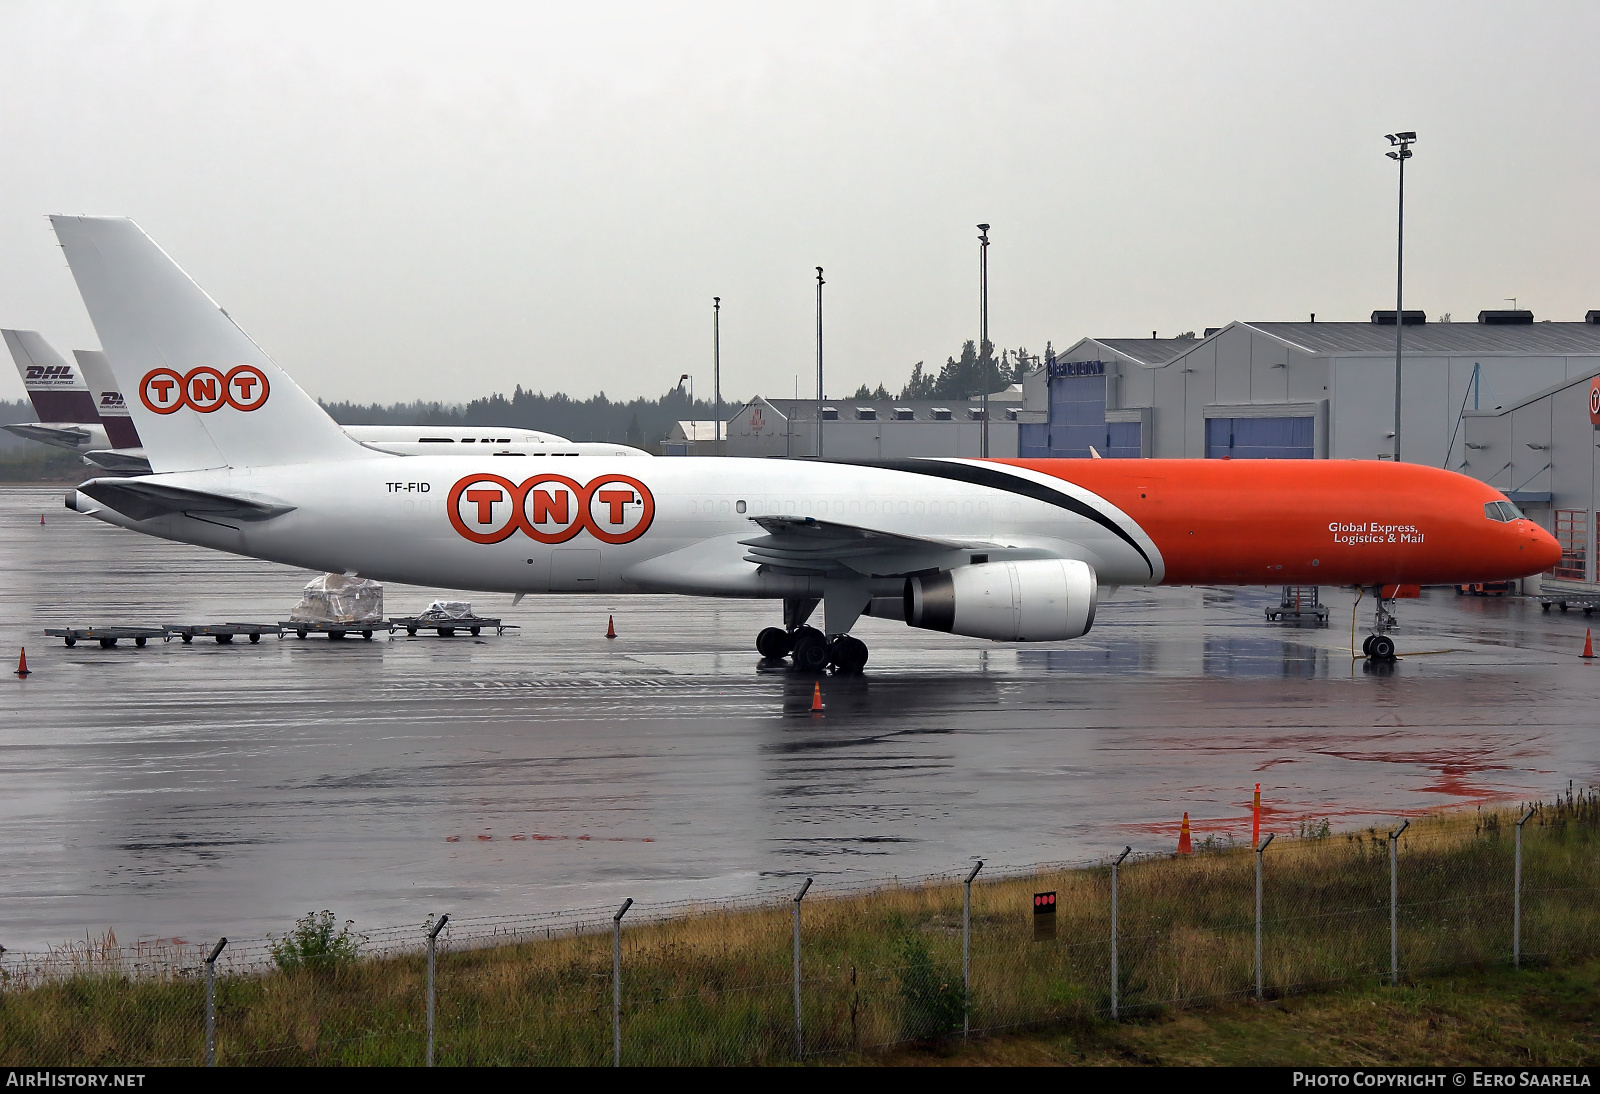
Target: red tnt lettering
548 507
244 382
616 499
161 387
203 389
485 501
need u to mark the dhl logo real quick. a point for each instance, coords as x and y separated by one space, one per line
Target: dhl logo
550 508
49 372
204 389
111 399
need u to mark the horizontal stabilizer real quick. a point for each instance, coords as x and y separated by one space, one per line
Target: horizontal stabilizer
138 500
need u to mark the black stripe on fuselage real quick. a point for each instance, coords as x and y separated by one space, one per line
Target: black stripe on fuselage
996 479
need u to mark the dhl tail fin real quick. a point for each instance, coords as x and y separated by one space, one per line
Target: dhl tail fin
57 389
108 398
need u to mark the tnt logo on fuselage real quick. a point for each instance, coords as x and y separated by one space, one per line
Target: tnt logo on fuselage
204 389
550 508
52 374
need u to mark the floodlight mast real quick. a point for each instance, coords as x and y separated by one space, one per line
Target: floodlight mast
1401 142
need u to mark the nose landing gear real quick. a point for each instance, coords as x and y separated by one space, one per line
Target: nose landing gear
1378 645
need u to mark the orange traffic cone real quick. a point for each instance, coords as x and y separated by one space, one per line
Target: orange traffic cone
1588 645
611 627
1184 847
22 664
816 696
41 520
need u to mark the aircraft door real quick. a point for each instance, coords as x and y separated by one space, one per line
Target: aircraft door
574 570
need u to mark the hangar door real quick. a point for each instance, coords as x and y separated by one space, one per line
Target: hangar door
1261 438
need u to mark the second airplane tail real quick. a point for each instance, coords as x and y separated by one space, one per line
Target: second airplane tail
201 393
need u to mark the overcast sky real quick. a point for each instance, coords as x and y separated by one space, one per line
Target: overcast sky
435 201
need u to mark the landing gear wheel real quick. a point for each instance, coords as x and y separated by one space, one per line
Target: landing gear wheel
773 643
412 631
848 655
301 633
366 634
1366 645
810 650
447 632
1382 648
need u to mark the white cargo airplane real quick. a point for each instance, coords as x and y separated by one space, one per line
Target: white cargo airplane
1013 550
100 426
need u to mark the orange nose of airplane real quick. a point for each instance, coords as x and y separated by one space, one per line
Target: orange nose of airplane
1540 546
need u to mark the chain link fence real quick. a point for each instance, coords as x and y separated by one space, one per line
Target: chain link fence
734 982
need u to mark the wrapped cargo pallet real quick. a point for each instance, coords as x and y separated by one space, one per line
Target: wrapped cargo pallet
335 598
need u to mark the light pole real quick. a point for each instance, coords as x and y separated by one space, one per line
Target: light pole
716 373
1402 143
820 283
983 323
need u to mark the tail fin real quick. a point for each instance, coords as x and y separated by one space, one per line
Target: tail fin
58 390
108 398
201 393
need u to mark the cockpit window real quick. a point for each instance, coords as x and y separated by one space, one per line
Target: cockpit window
1502 511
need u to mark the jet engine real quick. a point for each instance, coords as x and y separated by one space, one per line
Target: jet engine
1037 600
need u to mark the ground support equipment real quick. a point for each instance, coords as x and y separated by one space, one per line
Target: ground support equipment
1299 602
107 636
446 628
366 628
223 632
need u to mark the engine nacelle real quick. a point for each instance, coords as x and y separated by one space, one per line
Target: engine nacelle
1037 600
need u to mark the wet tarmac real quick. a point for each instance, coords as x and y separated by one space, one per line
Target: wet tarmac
205 789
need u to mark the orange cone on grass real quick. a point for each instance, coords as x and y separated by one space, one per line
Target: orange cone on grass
816 696
611 626
1588 645
22 663
1184 846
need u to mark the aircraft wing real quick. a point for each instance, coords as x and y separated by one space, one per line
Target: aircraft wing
805 545
138 500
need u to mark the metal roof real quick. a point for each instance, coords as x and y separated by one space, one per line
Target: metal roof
1150 351
1535 340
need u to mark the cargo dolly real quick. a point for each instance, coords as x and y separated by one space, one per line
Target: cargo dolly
365 628
107 636
1588 602
1299 602
446 628
223 632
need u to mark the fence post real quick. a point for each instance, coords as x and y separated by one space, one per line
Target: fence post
1516 900
1114 866
1260 852
966 951
616 982
1394 904
798 897
210 1000
432 935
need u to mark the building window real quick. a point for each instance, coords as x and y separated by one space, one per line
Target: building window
1261 438
1572 532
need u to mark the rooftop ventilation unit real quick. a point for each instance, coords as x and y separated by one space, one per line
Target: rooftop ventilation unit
866 414
940 413
830 414
976 413
903 414
1212 330
1506 318
1592 317
1011 413
1412 318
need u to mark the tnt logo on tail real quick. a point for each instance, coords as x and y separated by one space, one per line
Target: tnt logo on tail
204 389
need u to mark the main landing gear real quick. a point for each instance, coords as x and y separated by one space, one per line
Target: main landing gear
1379 646
811 651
